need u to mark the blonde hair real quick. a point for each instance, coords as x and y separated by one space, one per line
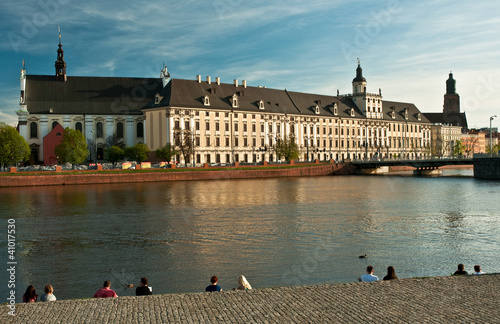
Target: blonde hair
244 282
49 289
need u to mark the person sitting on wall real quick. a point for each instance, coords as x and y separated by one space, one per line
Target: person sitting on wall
144 289
477 270
49 294
460 270
244 284
105 291
30 295
368 276
391 274
214 286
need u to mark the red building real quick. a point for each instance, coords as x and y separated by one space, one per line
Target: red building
50 141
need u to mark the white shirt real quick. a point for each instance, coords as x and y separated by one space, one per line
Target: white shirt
369 278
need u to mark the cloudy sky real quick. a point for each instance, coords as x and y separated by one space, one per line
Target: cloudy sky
407 48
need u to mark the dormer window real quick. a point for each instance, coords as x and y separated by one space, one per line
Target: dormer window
393 114
261 104
335 109
419 116
235 101
316 110
352 112
206 101
406 113
157 98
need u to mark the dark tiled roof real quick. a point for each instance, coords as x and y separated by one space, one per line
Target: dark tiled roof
191 94
89 95
455 119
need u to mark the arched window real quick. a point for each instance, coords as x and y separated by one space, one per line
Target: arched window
78 127
33 130
54 123
99 130
140 130
119 130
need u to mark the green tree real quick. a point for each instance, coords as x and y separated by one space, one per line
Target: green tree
114 140
115 154
73 147
13 147
286 148
183 143
495 148
165 153
138 152
458 148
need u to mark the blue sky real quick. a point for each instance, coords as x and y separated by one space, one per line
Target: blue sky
407 48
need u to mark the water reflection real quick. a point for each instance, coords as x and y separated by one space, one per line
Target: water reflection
274 231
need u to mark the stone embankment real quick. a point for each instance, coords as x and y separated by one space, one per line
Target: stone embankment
459 299
101 177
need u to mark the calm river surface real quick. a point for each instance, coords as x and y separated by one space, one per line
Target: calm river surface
276 232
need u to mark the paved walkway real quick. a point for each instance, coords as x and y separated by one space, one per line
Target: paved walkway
466 299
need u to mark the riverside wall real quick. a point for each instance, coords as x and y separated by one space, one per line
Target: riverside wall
487 168
456 299
96 177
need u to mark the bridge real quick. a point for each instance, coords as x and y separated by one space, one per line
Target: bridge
485 166
419 164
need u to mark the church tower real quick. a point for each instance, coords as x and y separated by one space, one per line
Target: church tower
451 98
60 64
359 82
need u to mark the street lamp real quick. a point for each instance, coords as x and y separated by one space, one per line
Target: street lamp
491 147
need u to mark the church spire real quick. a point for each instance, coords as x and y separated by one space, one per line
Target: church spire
60 64
450 84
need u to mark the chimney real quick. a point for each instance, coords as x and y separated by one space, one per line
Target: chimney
217 80
208 79
244 83
198 78
236 82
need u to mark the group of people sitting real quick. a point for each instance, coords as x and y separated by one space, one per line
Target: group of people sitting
391 273
31 296
242 282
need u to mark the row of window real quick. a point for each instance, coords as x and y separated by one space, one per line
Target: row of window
99 129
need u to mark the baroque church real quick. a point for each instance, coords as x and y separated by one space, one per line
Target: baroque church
229 122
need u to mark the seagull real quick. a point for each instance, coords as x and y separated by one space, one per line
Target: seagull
364 256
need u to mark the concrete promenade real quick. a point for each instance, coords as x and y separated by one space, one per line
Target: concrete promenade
461 299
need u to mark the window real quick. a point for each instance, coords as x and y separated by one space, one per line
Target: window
78 127
217 126
262 128
235 101
317 110
352 112
254 142
176 125
236 142
33 130
99 130
245 142
244 127
119 129
197 140
186 124
140 130
235 127
217 141
207 126
54 123
254 128
226 127
227 141
197 125
261 104
335 109
207 141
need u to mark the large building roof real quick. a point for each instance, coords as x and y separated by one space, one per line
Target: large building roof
191 94
89 95
450 118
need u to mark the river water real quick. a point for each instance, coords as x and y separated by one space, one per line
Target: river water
276 232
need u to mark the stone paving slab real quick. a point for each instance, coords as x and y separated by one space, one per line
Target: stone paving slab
460 299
